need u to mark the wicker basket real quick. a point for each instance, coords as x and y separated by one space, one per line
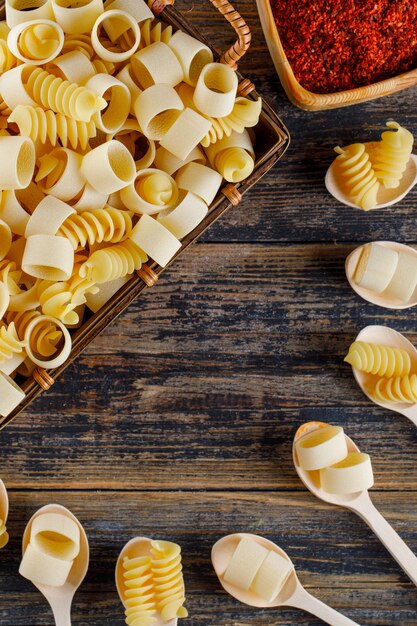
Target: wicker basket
308 100
272 141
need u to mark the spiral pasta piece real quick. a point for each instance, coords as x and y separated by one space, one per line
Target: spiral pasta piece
10 344
36 42
45 336
113 262
399 389
357 175
380 360
152 31
4 536
138 593
62 96
78 42
108 224
10 276
393 154
7 59
168 580
45 126
4 109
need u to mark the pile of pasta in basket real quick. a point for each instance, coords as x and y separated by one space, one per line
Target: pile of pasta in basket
115 136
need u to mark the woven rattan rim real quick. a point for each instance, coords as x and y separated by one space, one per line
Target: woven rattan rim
147 274
232 194
43 379
245 87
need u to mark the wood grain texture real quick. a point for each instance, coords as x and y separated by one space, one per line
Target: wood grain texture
177 421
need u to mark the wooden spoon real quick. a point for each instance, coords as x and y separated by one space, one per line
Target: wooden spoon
386 336
361 504
291 594
4 512
139 546
60 598
380 299
386 197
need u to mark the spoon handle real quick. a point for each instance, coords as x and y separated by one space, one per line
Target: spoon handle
301 599
62 612
405 558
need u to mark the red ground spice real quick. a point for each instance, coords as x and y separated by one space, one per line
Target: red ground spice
333 45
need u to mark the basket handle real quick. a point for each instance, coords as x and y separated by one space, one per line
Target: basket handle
235 52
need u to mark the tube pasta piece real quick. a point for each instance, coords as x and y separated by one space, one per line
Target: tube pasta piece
351 475
233 156
89 200
127 77
60 174
376 267
185 216
157 63
109 167
18 11
109 225
11 395
155 240
17 157
105 292
215 91
58 95
44 569
156 110
135 141
76 19
48 257
43 340
245 563
404 280
105 19
74 66
321 448
153 31
12 366
170 164
152 191
25 300
380 360
47 126
5 239
185 133
36 42
59 356
357 176
56 535
13 89
118 96
167 579
192 55
113 262
138 9
199 179
10 344
48 217
392 155
271 576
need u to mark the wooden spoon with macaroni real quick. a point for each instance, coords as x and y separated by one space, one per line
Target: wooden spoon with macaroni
4 512
60 598
236 575
383 335
359 502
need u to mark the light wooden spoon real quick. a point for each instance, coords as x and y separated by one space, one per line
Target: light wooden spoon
60 598
139 546
291 594
380 299
386 336
361 504
4 511
386 197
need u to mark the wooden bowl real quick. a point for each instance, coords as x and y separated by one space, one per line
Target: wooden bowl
308 100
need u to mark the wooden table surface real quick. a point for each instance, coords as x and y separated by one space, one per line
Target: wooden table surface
177 421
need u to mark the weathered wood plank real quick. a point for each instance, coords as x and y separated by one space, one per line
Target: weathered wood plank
336 556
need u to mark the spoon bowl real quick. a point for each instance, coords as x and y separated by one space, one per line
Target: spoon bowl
360 503
292 593
386 197
139 546
4 502
371 296
383 335
60 598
